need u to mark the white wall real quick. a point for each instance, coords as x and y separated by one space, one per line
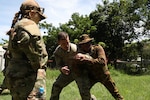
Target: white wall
2 51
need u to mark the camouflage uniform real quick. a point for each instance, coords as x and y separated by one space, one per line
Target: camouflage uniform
25 73
62 58
97 70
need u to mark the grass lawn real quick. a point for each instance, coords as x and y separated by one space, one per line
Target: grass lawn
131 87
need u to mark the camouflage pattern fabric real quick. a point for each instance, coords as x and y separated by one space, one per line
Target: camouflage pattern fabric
25 74
65 58
61 81
39 90
62 58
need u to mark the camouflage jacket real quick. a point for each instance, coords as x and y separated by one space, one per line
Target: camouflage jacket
63 57
27 47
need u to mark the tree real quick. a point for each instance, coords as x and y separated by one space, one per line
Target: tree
114 24
77 25
108 19
50 38
117 23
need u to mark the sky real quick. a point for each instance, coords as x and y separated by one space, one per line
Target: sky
57 11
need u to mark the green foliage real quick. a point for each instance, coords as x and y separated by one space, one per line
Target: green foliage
77 25
130 51
4 41
50 38
112 23
116 23
108 20
102 44
146 49
133 50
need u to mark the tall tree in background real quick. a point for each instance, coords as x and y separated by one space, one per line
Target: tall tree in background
77 25
50 37
111 23
117 22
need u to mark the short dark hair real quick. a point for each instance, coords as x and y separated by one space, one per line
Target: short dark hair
62 35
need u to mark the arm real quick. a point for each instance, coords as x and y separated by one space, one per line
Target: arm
33 48
97 57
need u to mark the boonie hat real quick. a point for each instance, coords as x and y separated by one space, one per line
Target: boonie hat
28 5
85 39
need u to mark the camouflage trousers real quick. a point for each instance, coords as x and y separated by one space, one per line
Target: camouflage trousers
31 87
64 80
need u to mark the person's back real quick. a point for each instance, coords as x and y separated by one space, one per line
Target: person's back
25 73
99 63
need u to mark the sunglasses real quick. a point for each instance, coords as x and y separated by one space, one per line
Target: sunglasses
41 10
38 9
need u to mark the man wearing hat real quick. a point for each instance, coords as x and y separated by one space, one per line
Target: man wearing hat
93 58
25 74
64 55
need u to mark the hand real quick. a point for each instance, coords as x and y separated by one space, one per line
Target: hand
83 58
79 57
65 70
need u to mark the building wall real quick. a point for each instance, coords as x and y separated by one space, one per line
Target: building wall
2 60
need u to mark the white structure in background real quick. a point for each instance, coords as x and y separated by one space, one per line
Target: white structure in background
2 51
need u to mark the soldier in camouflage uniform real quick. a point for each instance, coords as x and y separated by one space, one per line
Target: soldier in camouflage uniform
93 59
61 55
25 73
64 55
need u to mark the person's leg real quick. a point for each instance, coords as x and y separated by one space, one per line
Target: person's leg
111 87
20 88
92 83
83 84
28 87
59 84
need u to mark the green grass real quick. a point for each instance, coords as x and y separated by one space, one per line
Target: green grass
131 87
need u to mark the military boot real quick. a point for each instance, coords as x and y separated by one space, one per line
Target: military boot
119 97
